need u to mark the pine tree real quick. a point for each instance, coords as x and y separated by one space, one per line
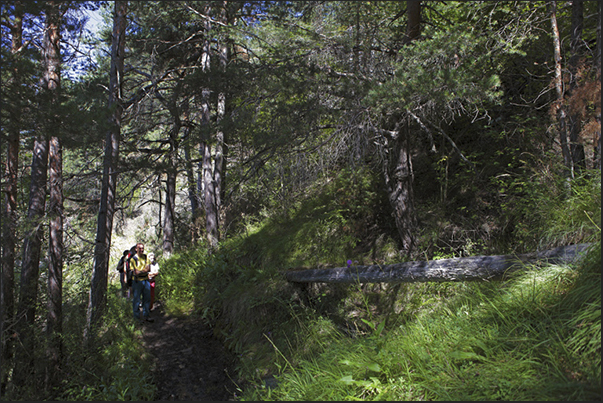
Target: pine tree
98 287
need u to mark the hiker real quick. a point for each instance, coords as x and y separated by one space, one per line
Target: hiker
121 268
154 271
141 287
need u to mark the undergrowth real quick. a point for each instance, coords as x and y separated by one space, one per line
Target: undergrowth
538 338
535 336
112 366
116 366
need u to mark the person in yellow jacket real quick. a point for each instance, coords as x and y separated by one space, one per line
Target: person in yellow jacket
141 288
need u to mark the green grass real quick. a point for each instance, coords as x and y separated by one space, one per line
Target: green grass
116 367
536 337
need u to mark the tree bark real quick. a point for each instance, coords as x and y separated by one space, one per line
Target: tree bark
399 184
190 177
220 157
211 211
398 162
598 53
212 165
54 322
485 268
192 193
26 313
170 194
597 156
413 30
221 148
9 224
102 250
574 121
219 171
168 223
561 111
205 166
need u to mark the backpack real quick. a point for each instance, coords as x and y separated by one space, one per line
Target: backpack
122 262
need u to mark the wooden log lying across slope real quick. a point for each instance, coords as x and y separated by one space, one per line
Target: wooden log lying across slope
456 269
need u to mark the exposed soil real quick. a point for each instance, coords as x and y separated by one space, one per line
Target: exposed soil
190 363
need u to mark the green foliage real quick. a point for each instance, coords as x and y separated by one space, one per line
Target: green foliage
536 336
512 342
444 73
179 289
584 339
580 211
307 71
337 214
116 367
546 210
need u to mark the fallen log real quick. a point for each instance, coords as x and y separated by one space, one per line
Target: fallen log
493 267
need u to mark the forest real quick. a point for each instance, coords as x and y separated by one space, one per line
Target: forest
241 141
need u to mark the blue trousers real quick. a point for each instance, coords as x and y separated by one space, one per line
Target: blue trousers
141 289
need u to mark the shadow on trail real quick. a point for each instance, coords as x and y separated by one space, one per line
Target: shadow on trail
190 364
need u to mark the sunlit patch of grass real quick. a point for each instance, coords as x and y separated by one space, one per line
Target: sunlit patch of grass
583 301
536 337
577 217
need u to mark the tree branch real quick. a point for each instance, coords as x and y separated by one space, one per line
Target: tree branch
456 148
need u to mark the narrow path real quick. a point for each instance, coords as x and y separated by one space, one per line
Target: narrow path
190 364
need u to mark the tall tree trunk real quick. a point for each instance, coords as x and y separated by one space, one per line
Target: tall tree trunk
399 184
574 123
214 172
26 310
597 157
221 148
9 224
26 313
211 212
206 167
168 226
598 53
561 111
190 176
170 194
54 326
192 192
413 28
220 158
102 250
398 164
205 117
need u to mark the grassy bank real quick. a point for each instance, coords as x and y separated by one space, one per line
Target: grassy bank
536 338
533 337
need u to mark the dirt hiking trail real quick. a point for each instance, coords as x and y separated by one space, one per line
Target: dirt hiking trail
190 363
